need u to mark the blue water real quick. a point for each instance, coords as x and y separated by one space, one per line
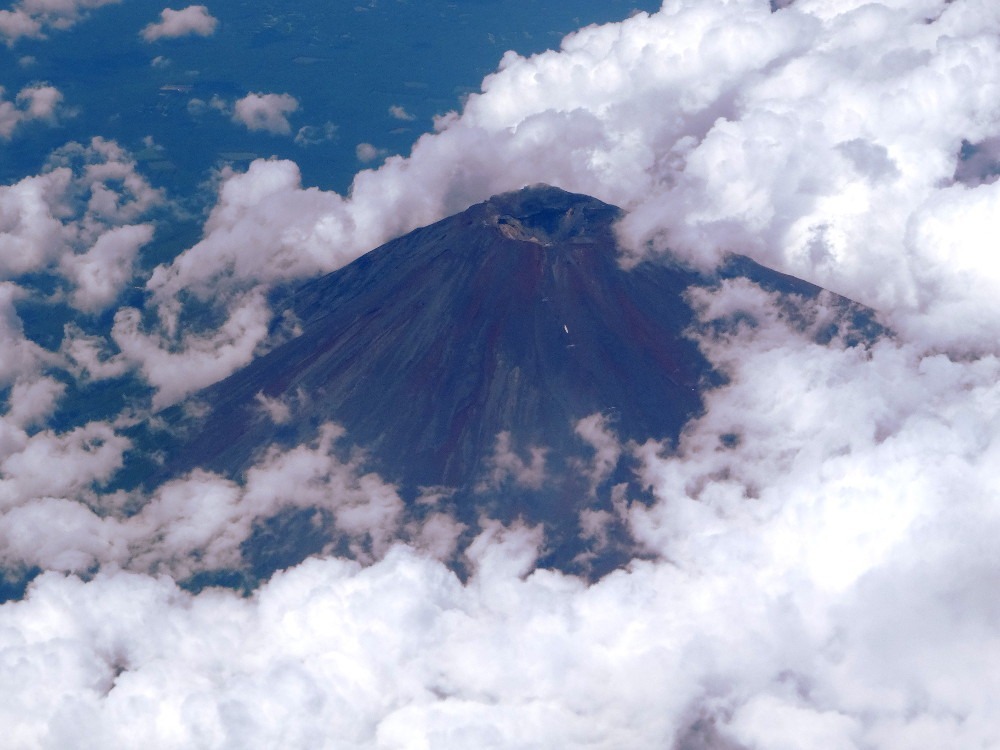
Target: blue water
345 62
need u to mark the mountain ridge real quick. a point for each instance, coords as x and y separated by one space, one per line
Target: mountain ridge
490 333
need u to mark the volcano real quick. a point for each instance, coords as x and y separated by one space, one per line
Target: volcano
463 356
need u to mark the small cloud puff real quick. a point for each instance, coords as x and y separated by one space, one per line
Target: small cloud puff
267 112
505 465
100 273
195 19
37 102
197 107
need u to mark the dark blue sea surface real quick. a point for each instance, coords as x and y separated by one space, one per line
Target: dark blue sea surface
346 63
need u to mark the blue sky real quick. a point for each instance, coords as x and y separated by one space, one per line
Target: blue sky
826 582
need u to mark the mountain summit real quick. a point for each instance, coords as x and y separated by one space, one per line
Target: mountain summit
463 356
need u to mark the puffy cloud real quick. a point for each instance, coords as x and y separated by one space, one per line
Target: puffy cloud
38 102
194 19
86 455
820 555
177 365
197 107
268 112
100 273
365 508
366 152
107 184
90 357
197 523
31 18
32 401
20 358
31 233
850 509
730 644
264 227
77 219
821 474
74 219
85 192
15 24
261 228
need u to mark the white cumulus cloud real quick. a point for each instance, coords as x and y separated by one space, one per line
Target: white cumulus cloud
37 102
78 219
192 20
100 273
366 152
267 112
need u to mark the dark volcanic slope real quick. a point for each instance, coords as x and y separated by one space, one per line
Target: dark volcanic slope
512 316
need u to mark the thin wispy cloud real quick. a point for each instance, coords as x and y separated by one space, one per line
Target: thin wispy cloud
398 112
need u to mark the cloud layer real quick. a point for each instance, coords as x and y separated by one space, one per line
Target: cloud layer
818 566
